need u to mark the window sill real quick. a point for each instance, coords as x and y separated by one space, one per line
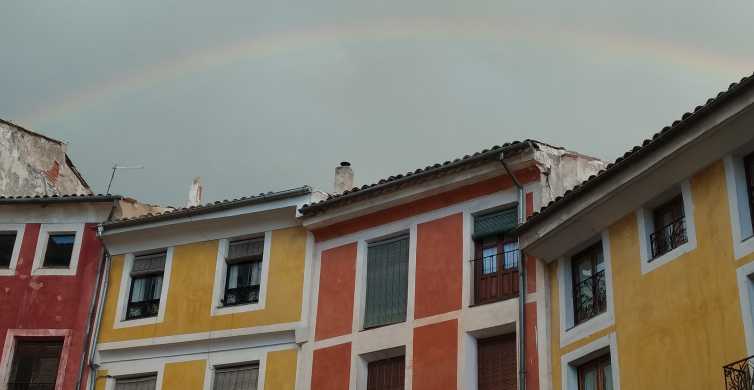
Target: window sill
585 329
366 329
221 309
54 271
744 248
124 323
652 264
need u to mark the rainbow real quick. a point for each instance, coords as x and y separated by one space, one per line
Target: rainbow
495 30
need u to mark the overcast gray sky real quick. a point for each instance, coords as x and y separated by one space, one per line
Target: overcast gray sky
263 95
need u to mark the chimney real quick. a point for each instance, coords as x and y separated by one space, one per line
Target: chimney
195 193
343 177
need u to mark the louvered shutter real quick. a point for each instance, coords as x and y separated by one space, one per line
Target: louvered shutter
386 374
496 363
140 383
387 282
495 223
237 377
149 264
245 250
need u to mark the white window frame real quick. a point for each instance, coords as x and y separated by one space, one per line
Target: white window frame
19 228
237 357
44 236
568 332
745 276
221 271
570 362
645 221
13 336
125 288
738 201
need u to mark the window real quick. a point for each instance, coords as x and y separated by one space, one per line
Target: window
596 375
35 365
147 382
238 377
749 169
146 285
244 270
386 374
59 250
669 227
7 243
589 289
496 261
496 363
387 282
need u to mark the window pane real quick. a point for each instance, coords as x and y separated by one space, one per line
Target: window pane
489 260
7 241
387 282
141 383
35 364
236 378
510 250
608 375
243 283
59 249
590 380
144 298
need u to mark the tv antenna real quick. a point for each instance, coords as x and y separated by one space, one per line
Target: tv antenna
115 169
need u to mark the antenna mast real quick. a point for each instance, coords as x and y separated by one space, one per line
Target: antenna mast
115 168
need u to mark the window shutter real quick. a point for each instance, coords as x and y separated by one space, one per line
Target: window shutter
495 223
149 264
245 249
141 383
237 377
387 282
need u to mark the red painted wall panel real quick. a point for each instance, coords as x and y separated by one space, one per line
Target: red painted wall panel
337 277
331 368
52 302
436 356
439 266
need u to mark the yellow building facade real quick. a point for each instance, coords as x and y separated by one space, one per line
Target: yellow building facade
204 297
650 265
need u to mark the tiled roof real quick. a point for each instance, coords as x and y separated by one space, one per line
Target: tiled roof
637 152
67 198
208 208
395 182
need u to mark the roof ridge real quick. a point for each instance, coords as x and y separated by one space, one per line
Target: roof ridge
34 133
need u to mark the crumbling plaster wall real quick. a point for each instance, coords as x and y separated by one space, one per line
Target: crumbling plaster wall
31 164
563 169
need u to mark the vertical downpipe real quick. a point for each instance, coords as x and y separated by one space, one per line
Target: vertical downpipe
521 282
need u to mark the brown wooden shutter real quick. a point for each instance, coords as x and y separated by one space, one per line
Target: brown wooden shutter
496 362
386 374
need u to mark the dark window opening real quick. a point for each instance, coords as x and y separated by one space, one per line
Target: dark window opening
59 250
669 227
244 272
596 375
387 282
496 363
237 377
35 365
146 286
749 168
589 289
386 374
7 242
147 382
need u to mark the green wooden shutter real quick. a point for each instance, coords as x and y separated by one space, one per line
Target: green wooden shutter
387 282
495 223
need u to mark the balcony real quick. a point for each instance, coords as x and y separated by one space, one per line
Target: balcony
496 277
590 297
668 237
738 375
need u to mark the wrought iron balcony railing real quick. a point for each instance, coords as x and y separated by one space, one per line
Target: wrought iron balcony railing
496 277
738 375
589 297
142 309
668 237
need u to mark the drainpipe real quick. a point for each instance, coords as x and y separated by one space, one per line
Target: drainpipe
98 320
521 283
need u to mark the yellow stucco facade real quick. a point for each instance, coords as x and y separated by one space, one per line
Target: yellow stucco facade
678 324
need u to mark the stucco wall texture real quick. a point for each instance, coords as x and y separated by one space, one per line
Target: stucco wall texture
438 271
336 291
36 302
677 325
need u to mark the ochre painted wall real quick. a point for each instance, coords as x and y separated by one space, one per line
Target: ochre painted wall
281 370
331 368
435 356
190 293
679 324
184 375
439 266
337 278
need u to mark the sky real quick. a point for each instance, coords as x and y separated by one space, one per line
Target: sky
254 96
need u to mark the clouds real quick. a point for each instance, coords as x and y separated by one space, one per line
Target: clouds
255 97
